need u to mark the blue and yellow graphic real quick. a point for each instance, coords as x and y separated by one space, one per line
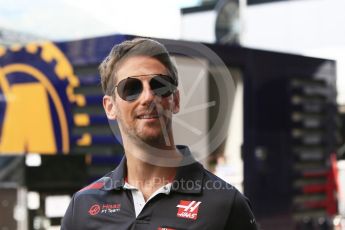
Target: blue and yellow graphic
36 91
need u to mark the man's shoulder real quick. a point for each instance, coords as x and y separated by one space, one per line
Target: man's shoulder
224 192
213 182
210 181
212 187
101 185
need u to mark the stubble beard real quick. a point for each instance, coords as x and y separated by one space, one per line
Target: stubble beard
139 135
161 139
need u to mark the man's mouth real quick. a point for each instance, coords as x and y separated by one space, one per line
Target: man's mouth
148 116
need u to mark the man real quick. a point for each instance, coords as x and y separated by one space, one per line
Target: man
155 186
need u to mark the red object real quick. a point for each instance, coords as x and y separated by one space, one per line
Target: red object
332 187
315 188
188 209
94 210
96 185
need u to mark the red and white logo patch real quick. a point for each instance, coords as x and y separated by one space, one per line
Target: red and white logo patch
162 228
188 209
104 209
94 210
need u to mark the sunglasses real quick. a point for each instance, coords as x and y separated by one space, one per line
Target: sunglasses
129 89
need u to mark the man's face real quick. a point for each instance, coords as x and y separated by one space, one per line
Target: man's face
148 118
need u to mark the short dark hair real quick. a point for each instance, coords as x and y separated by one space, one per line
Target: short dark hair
130 48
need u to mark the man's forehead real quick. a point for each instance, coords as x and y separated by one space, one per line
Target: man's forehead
139 65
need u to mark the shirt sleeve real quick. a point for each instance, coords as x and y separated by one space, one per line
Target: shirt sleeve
67 220
241 216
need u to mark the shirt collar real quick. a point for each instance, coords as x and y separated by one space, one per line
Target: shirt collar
188 179
165 189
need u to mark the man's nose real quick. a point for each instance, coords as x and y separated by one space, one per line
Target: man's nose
148 95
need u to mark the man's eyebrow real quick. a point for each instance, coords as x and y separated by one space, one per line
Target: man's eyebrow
151 74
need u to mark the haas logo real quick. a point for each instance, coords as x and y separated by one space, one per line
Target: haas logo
94 210
188 209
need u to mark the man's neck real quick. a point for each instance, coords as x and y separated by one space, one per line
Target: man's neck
146 172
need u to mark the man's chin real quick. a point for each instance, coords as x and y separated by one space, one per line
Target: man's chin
155 140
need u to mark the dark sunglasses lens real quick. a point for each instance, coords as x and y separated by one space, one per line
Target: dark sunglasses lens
162 86
129 89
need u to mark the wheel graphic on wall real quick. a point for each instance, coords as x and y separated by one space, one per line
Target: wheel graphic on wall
36 89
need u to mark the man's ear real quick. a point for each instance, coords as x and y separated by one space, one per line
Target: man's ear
109 107
176 98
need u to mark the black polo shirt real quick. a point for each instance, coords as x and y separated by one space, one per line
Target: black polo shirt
197 200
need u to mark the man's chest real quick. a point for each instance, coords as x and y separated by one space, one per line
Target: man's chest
163 212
